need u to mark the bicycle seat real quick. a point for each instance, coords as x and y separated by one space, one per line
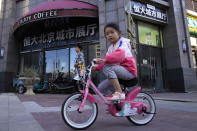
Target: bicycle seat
128 83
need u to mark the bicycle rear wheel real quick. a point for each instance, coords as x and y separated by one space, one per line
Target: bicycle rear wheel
75 119
144 118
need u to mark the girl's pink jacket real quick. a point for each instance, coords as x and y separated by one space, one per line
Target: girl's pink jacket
120 56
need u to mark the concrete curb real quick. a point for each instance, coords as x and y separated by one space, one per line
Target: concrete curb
175 100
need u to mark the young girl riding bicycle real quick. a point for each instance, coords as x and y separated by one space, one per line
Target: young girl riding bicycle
118 63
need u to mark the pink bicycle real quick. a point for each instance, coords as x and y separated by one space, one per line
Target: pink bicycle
79 110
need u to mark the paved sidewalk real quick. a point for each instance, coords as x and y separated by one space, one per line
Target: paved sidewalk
13 115
171 115
179 97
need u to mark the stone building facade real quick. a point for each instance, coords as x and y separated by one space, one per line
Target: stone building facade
157 28
191 10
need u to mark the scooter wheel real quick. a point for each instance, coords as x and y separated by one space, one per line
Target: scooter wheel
21 89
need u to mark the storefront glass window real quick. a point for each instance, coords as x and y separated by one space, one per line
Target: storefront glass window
148 34
57 61
194 56
193 41
194 50
34 59
63 60
98 51
50 62
72 61
192 24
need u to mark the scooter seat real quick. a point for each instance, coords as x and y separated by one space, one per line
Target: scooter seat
128 83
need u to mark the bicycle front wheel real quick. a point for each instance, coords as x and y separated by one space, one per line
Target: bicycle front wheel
75 119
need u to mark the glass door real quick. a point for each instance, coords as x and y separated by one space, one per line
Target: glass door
57 61
149 56
150 65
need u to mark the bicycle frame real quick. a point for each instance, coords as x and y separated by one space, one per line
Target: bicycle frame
131 96
89 96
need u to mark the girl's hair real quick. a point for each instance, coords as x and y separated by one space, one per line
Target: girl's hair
112 25
80 47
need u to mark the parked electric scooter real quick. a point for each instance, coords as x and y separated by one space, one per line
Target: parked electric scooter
41 86
61 83
19 85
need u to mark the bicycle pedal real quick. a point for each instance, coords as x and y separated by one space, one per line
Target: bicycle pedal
116 101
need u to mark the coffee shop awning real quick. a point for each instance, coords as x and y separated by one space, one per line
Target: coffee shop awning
54 9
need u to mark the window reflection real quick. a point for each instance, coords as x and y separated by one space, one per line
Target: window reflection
33 59
50 61
63 60
72 61
57 61
148 34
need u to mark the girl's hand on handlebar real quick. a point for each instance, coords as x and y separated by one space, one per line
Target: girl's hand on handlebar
94 68
104 60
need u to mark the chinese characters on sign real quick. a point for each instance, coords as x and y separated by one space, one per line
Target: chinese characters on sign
61 35
147 10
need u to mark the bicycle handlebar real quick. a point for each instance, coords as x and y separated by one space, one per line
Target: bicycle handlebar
90 66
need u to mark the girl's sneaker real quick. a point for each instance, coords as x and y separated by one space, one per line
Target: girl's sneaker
116 96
